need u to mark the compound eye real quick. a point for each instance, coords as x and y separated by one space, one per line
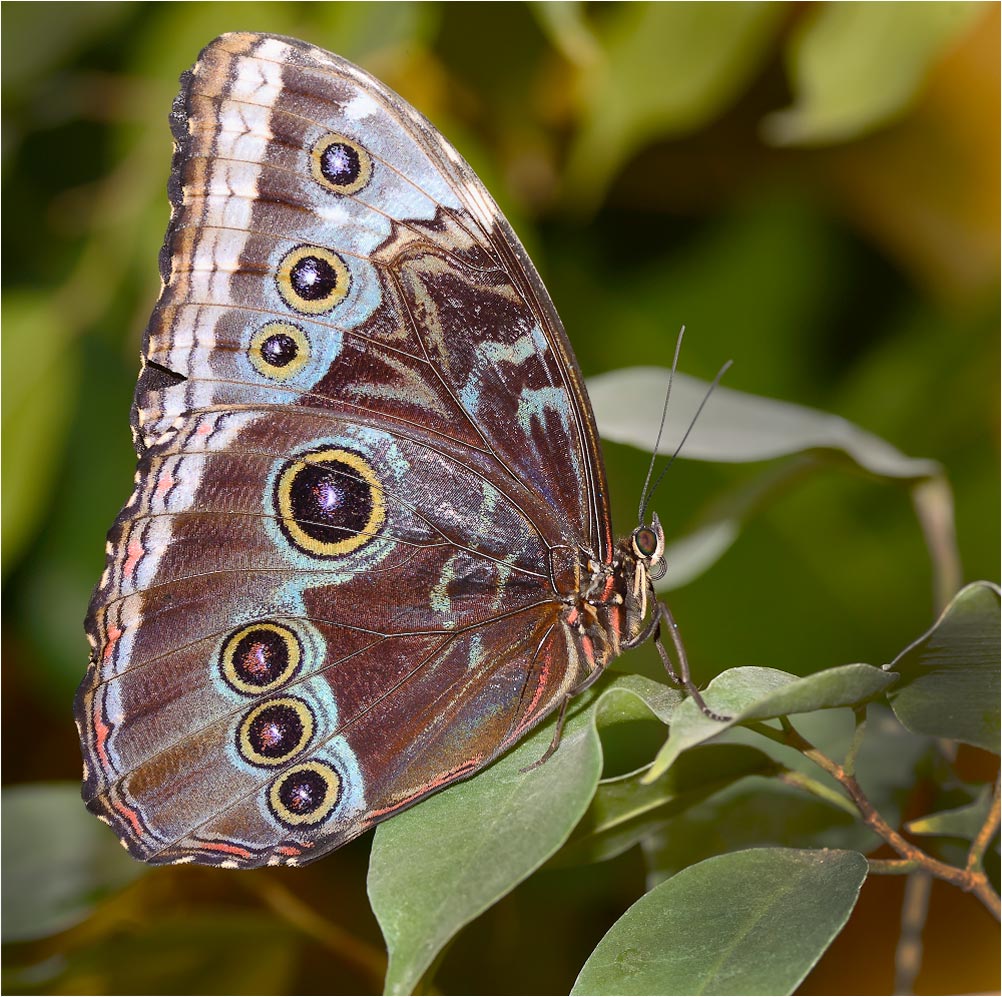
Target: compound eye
647 543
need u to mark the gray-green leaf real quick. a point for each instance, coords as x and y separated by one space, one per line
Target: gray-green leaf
735 426
950 676
745 694
58 861
752 922
434 868
856 66
960 822
663 69
755 813
627 809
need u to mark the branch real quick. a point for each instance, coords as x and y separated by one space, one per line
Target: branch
971 879
988 831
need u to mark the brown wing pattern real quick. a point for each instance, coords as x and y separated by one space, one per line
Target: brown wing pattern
362 434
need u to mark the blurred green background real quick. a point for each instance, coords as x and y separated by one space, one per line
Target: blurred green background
812 188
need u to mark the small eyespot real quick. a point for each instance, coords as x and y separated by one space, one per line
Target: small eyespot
275 731
340 165
260 658
329 502
305 794
279 350
312 280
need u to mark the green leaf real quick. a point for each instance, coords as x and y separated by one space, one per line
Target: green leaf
754 813
746 694
735 426
437 866
752 922
627 809
960 822
59 862
666 69
856 66
566 26
950 676
40 380
360 32
63 38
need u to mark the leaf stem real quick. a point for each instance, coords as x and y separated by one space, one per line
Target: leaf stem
365 958
893 867
800 780
932 499
859 713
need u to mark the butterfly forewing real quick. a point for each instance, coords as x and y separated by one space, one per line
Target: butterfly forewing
365 452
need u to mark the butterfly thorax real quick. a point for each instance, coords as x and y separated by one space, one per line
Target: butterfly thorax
607 606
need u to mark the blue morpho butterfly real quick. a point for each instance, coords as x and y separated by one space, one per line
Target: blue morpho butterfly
369 542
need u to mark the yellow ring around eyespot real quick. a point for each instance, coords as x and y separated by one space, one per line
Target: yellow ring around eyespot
320 305
351 542
231 674
333 783
364 164
294 366
252 755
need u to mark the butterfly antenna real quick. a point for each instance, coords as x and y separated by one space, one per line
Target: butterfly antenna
644 497
692 422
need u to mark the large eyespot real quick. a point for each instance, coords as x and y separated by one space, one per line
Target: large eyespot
329 502
275 731
279 350
312 280
260 658
340 165
306 794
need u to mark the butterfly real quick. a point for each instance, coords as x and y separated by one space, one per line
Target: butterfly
369 543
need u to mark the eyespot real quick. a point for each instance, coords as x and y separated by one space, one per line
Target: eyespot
260 658
279 350
329 502
275 731
340 165
312 280
306 794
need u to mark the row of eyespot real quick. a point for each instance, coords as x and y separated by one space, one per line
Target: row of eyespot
258 659
263 657
311 280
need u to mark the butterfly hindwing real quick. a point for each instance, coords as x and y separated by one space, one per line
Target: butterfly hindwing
365 452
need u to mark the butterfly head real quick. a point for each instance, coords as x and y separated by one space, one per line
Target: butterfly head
648 544
638 563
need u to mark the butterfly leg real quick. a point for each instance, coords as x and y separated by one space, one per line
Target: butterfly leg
652 631
651 628
683 677
562 716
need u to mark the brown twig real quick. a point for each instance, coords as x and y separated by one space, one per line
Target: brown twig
988 830
366 958
971 879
